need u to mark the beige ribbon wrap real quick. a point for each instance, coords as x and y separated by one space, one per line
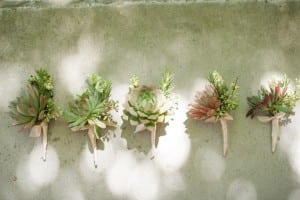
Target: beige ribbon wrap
37 131
153 135
275 127
91 134
223 122
94 143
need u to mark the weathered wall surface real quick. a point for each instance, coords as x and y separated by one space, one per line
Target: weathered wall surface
84 3
251 41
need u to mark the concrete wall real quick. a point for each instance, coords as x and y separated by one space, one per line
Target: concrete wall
251 41
84 3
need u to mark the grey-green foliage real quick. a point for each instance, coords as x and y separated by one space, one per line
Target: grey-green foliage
149 105
166 83
35 104
226 95
92 107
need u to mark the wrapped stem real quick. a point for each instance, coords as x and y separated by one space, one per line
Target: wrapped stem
153 135
275 133
45 140
275 127
94 144
225 137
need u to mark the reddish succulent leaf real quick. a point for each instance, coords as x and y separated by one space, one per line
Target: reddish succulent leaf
283 92
277 90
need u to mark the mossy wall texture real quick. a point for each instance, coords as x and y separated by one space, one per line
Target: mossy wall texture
251 41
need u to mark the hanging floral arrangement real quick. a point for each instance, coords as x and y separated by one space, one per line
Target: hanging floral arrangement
147 106
91 110
274 104
215 103
35 107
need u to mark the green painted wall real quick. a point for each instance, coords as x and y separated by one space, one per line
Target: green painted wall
89 3
251 41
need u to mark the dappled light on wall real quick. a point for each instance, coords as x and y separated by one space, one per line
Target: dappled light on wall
295 195
241 189
59 2
144 182
129 176
67 186
290 142
75 67
87 169
118 93
106 158
173 149
209 164
10 76
33 173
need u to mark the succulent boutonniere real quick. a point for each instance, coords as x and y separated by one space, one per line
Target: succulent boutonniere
146 106
215 102
35 107
91 110
275 104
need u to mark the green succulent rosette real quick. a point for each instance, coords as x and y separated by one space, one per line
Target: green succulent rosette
35 107
91 110
275 104
146 106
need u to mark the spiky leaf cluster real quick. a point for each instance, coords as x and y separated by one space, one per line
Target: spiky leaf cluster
35 104
274 99
166 83
148 105
43 82
216 101
92 107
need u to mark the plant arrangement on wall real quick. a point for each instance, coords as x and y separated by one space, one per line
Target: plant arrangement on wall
35 107
91 110
274 104
148 106
215 103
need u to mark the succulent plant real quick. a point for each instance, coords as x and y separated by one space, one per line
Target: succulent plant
215 102
35 107
146 106
91 110
275 104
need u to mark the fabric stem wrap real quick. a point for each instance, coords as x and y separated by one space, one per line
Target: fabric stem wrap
45 143
37 131
93 142
275 127
153 135
275 133
225 135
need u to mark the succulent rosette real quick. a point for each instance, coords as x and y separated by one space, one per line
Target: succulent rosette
35 107
214 104
275 104
146 106
91 110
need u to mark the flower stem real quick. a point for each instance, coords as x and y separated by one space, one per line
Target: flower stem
275 133
153 134
225 137
45 143
93 142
